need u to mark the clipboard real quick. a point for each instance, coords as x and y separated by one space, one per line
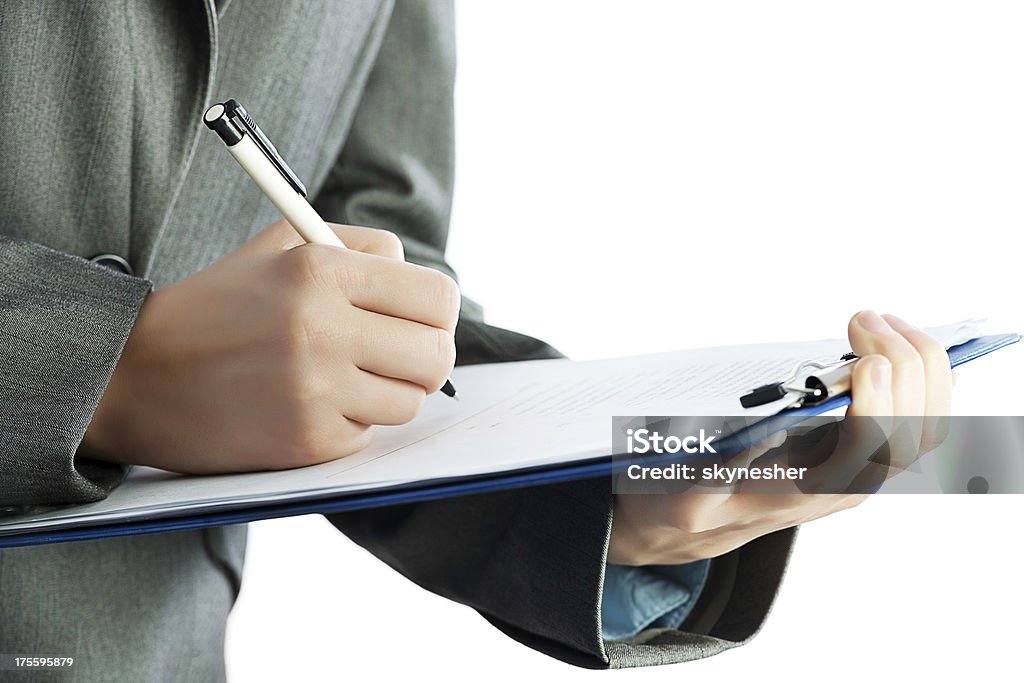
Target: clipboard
439 488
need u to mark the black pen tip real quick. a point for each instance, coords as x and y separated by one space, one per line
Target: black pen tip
449 390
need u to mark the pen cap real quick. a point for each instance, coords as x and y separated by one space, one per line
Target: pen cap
216 119
243 125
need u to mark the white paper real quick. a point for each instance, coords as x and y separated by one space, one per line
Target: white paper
510 416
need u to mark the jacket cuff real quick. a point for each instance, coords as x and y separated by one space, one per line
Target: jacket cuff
734 604
63 325
546 592
530 560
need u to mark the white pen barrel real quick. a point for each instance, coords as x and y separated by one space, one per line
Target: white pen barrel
293 206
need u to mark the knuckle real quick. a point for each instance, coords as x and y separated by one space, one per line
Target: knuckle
931 351
305 329
313 271
446 297
340 438
304 388
901 352
405 406
866 364
293 325
301 438
317 330
355 437
309 257
927 344
442 357
389 244
304 266
353 277
412 405
284 235
445 350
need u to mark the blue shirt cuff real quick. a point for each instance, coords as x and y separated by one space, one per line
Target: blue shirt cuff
655 596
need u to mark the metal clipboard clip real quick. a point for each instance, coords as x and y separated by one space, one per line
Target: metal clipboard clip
831 379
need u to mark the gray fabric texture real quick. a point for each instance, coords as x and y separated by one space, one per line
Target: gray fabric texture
100 105
63 324
140 608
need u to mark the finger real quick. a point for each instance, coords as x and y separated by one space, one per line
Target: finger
870 334
384 285
738 460
870 421
875 444
699 509
338 436
938 375
938 383
872 387
277 236
747 458
407 291
370 241
376 400
404 350
823 504
835 453
784 508
280 236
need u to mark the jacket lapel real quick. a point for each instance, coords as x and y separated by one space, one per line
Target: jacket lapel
299 68
146 238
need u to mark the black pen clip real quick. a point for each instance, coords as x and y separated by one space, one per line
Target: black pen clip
240 118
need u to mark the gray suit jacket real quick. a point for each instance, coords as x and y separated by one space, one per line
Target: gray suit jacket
100 104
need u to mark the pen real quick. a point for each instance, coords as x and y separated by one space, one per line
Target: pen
258 157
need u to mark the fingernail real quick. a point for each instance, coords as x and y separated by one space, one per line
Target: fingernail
872 322
881 374
896 321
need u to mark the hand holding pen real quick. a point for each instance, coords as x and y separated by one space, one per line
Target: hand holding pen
281 354
258 157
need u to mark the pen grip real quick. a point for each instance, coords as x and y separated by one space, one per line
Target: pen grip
292 205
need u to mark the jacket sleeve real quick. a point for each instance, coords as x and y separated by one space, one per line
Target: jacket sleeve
63 324
530 560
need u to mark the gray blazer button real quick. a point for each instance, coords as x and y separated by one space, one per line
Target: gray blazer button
114 262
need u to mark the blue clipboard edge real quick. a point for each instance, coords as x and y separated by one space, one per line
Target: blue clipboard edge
445 488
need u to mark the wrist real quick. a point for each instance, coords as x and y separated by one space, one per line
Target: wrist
101 439
644 533
109 434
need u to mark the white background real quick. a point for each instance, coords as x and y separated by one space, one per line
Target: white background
645 176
